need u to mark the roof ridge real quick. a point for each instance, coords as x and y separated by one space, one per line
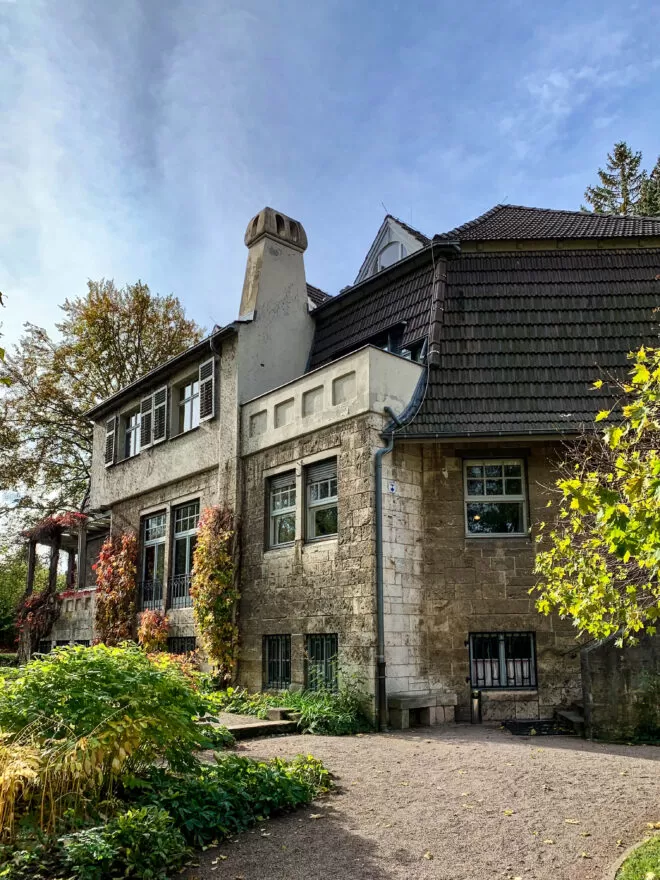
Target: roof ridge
600 215
411 229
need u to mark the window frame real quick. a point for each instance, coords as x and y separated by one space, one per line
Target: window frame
502 661
495 499
133 431
160 545
183 401
329 660
282 662
274 516
312 506
184 600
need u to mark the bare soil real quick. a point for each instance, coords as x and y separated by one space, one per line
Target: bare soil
451 803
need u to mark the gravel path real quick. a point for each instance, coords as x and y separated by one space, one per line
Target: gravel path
455 803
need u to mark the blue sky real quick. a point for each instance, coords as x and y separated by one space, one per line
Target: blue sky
138 138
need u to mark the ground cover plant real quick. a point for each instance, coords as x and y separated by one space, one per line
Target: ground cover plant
643 863
334 713
100 775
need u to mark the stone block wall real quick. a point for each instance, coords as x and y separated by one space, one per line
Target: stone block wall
622 689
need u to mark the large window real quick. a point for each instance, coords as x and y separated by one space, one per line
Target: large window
186 519
321 662
321 483
277 662
189 406
282 509
495 497
502 660
131 434
150 594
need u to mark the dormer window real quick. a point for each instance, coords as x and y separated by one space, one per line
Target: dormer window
390 254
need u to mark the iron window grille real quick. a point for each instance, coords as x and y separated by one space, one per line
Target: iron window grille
277 662
189 406
181 644
505 660
321 667
61 643
282 509
186 520
150 588
321 483
494 498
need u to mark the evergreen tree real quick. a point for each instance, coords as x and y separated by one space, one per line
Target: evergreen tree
649 202
621 183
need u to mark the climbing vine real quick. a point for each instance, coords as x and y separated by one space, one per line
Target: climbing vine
153 630
214 588
116 570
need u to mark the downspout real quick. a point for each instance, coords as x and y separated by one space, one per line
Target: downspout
381 681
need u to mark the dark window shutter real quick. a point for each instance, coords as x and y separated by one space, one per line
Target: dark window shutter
207 390
160 415
110 440
146 417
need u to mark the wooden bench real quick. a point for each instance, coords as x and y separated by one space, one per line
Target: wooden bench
431 707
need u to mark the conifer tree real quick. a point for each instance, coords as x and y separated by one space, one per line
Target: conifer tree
649 202
621 183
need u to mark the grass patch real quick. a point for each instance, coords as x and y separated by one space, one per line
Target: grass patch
643 863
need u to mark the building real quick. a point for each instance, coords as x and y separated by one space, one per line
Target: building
388 452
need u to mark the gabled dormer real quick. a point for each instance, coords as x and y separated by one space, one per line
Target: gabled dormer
394 241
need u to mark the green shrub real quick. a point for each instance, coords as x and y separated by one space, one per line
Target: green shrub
222 799
8 659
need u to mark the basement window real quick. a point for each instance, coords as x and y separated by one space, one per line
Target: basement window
277 662
502 660
181 644
494 498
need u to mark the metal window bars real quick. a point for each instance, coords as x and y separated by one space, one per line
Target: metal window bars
150 595
321 662
180 591
504 660
277 661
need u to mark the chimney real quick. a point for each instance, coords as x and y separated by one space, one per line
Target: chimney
275 327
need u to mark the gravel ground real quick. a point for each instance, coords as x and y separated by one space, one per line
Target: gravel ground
451 804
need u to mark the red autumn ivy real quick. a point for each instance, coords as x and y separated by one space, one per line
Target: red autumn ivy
116 570
153 630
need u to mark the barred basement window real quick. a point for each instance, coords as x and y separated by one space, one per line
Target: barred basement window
181 644
321 671
321 481
282 509
277 662
61 643
45 646
494 498
503 660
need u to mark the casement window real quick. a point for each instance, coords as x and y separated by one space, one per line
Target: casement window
321 497
181 644
188 406
110 440
150 588
495 497
503 660
186 520
321 667
277 662
132 433
207 390
282 509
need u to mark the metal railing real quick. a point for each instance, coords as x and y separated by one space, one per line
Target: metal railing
150 595
180 591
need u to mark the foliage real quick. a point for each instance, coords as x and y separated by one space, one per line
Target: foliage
116 570
601 563
107 338
214 588
8 659
643 863
13 577
623 187
153 630
324 712
222 799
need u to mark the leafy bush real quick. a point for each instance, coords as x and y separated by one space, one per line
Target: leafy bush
321 712
8 659
222 799
152 631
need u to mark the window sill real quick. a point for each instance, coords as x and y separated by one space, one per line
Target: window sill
505 693
521 536
185 433
279 548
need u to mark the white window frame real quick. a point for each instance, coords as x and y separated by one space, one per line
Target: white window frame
321 503
275 515
190 400
135 430
494 499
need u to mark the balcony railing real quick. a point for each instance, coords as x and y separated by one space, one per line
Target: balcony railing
150 595
180 591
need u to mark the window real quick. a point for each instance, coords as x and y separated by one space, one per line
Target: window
131 434
189 406
321 662
153 562
181 644
186 519
45 646
277 662
321 480
282 509
502 660
390 254
62 643
494 498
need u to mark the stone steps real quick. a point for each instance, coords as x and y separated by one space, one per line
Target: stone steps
573 718
256 727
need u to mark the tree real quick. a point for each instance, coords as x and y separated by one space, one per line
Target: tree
13 574
108 338
620 185
600 562
649 201
4 380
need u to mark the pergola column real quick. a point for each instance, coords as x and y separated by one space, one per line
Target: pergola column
82 555
31 566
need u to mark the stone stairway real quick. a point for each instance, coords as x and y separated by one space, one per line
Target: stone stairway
279 721
573 717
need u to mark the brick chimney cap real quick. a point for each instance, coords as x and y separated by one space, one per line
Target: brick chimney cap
276 225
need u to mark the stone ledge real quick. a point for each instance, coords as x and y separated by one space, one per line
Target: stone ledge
508 695
421 700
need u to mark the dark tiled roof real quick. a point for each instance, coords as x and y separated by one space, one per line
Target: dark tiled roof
525 336
423 239
511 222
317 295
